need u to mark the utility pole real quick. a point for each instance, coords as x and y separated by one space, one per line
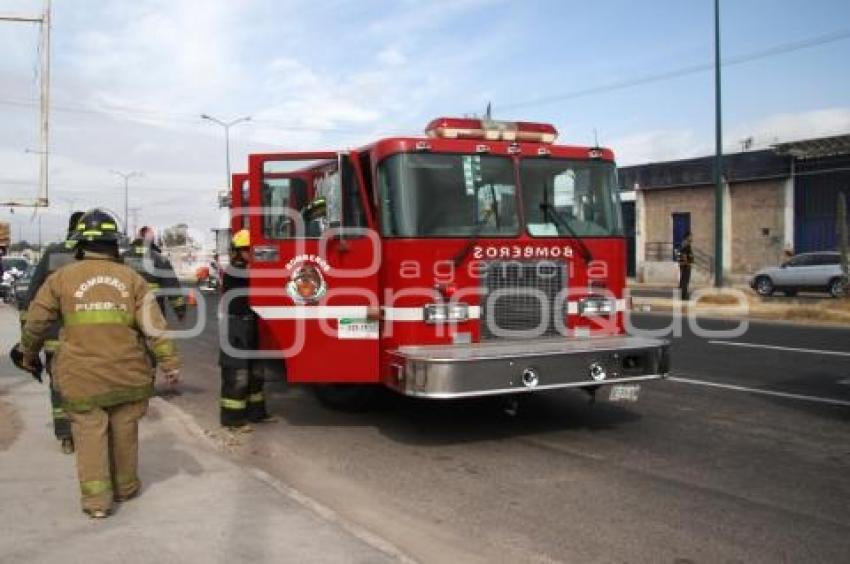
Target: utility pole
718 156
44 22
226 125
127 176
843 243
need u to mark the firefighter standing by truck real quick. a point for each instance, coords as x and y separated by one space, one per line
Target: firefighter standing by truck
146 258
55 256
686 261
103 371
242 380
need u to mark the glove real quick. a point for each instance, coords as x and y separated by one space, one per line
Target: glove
172 377
27 362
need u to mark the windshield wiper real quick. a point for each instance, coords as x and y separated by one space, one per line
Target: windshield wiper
473 237
547 209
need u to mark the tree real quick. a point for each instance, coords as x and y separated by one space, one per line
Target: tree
176 236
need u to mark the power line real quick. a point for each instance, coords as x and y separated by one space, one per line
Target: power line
683 71
89 189
168 117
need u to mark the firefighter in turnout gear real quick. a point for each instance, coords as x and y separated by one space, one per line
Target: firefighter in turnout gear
146 258
686 261
103 370
242 399
55 256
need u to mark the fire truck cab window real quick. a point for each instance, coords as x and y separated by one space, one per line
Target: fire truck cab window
281 199
570 198
243 217
304 201
447 195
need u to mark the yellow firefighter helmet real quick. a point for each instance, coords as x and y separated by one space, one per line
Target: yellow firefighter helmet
242 239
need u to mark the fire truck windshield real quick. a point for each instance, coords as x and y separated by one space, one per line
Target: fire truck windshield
583 194
448 195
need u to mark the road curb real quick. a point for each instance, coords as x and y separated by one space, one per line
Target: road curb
325 512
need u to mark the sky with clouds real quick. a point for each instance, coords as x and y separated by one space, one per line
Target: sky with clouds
131 78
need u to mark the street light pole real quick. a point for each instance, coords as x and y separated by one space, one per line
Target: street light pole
127 176
226 125
718 156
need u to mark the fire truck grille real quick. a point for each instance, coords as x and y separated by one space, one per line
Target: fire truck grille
520 299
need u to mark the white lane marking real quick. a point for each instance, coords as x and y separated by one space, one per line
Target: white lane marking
785 395
845 381
778 348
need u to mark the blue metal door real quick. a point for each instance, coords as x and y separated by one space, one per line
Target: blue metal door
681 226
816 188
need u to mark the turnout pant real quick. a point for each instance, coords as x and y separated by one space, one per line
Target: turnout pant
242 379
242 397
61 423
107 446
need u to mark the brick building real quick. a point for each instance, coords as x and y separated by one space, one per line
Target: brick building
774 199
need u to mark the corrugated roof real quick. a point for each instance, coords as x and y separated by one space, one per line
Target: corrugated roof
815 148
737 167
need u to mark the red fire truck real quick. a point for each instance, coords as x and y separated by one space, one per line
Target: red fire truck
482 259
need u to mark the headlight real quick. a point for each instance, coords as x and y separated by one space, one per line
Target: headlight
446 313
596 306
306 285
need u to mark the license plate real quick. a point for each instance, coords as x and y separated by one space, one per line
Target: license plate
358 329
624 392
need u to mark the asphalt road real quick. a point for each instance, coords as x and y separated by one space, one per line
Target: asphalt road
757 471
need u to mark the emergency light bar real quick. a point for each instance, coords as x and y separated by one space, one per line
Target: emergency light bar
469 128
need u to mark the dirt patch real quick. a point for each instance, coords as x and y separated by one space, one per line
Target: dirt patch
719 299
10 424
738 305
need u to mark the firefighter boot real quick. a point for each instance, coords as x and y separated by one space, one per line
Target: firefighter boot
256 407
67 445
234 397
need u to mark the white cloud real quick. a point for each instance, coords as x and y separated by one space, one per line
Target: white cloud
179 56
658 145
793 126
668 145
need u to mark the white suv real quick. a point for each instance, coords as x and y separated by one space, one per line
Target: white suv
807 271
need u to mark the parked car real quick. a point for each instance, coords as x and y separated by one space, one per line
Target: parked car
22 287
807 271
18 263
13 269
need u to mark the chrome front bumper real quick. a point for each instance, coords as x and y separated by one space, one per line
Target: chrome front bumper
506 367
